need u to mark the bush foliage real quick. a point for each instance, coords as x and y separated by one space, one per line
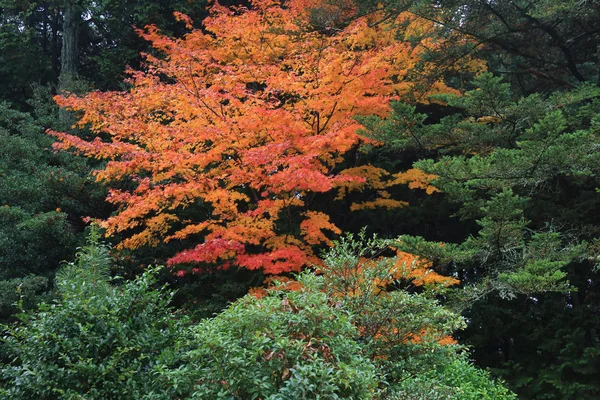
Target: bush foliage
114 340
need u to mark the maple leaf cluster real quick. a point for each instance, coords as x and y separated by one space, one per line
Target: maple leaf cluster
247 116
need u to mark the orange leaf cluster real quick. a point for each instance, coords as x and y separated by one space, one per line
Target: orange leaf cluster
276 283
358 281
419 271
444 340
368 176
417 179
246 118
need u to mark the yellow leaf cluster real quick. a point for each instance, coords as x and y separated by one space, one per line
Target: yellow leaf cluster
417 179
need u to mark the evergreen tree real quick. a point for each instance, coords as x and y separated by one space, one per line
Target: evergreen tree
526 170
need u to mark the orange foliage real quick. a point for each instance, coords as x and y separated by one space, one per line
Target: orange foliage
276 283
419 271
447 340
444 341
246 117
405 266
373 178
378 203
312 228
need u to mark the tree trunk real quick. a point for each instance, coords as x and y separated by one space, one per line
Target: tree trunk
598 62
55 47
69 55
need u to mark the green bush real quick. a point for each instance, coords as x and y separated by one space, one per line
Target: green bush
104 341
22 293
457 379
405 334
96 341
286 345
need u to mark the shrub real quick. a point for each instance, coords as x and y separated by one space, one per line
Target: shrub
96 341
285 345
457 379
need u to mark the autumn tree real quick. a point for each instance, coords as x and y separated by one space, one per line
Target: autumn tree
247 119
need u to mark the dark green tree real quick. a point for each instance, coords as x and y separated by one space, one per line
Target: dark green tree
43 197
75 44
535 45
526 171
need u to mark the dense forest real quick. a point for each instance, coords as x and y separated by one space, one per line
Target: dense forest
300 199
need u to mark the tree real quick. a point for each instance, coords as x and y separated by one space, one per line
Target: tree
504 161
553 42
523 174
245 121
43 195
92 41
535 45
